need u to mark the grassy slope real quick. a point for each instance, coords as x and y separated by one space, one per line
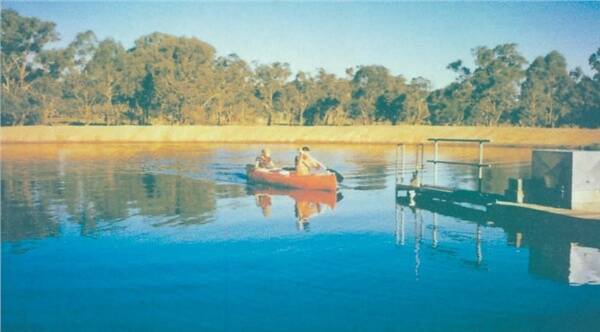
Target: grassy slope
284 134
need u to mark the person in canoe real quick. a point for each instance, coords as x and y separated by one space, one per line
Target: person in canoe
306 164
264 160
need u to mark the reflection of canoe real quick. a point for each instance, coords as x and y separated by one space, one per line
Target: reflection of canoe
328 198
281 178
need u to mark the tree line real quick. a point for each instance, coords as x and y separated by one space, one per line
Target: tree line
165 79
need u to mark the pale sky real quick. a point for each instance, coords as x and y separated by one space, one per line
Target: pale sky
412 39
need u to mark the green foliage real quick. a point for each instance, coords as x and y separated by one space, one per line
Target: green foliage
495 84
546 92
166 79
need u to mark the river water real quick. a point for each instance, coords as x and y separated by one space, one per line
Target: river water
155 237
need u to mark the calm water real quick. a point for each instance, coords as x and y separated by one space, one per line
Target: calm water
170 237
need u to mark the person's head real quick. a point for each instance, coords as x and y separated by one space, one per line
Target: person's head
305 149
265 152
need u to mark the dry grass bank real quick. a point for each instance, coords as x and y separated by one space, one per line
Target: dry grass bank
284 134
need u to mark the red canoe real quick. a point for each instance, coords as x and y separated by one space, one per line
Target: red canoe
290 179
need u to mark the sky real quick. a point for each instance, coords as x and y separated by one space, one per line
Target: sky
412 39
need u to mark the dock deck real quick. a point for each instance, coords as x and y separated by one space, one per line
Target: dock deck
493 203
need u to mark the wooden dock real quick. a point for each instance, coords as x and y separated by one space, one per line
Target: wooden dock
486 206
482 204
451 194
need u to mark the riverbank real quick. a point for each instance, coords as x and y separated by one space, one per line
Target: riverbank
508 136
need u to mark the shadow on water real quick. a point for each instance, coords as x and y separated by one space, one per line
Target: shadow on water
559 249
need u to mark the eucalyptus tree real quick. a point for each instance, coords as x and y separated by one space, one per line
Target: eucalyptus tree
330 100
22 39
370 82
106 72
232 89
270 81
452 104
415 107
79 91
298 94
145 98
546 92
176 71
495 84
390 104
585 101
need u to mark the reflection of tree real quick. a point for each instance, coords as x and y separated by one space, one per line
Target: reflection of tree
21 217
149 181
34 199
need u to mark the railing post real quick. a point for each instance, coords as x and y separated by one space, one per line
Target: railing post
402 164
396 170
480 167
435 159
420 162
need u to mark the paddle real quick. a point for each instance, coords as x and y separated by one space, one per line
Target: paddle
339 177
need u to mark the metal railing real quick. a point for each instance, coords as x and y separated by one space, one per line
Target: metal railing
401 166
419 164
480 165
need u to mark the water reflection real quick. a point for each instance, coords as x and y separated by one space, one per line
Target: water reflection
307 203
560 250
35 201
46 191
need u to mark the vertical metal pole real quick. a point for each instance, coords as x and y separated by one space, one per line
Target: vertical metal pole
420 161
422 155
396 172
435 160
480 167
417 157
402 165
480 152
